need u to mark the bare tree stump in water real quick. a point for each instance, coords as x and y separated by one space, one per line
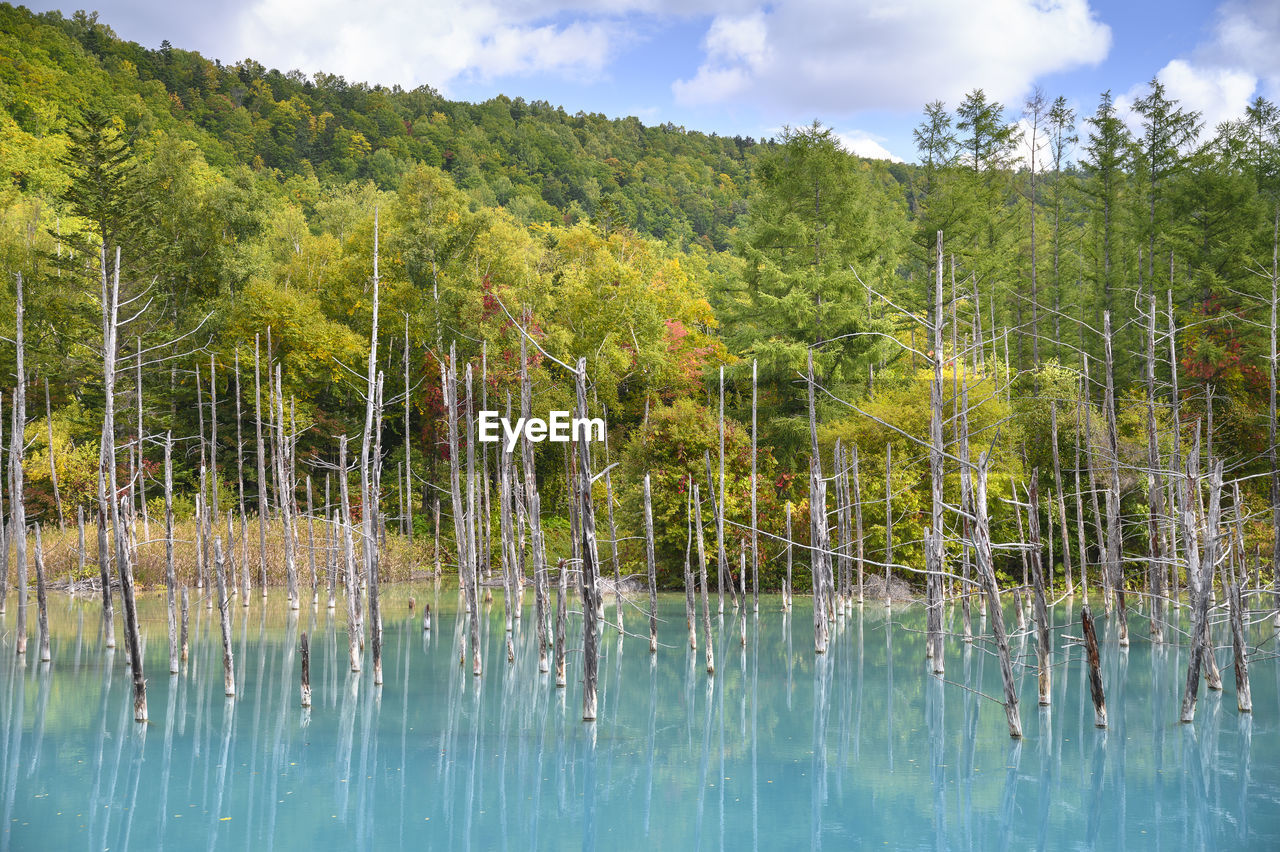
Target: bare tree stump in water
1095 669
228 662
306 671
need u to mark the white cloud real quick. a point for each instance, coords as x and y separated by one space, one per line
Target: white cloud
1222 75
867 145
433 42
836 55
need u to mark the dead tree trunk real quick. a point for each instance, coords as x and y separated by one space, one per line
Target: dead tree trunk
702 570
651 563
349 560
1061 501
755 517
534 508
817 524
107 457
53 468
590 560
1200 573
262 468
690 588
306 671
170 578
42 602
936 450
1244 699
1114 540
888 520
787 589
224 618
244 520
1095 668
855 493
987 575
1155 488
17 486
1044 651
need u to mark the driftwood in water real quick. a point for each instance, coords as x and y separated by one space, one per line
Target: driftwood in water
306 671
1095 668
224 618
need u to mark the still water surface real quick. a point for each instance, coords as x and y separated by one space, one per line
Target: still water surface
861 748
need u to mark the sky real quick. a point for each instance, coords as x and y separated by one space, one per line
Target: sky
741 67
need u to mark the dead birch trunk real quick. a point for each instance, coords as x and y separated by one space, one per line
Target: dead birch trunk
590 560
652 565
311 545
534 508
142 467
1155 488
986 573
1044 651
262 469
1271 425
1200 573
349 560
755 516
817 524
170 578
6 482
224 618
472 532
408 461
186 609
244 520
855 493
690 588
936 449
17 485
888 520
107 461
787 589
284 474
722 567
1114 540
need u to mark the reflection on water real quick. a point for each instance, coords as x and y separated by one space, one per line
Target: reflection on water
860 746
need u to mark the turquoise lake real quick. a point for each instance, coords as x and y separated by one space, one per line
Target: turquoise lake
860 748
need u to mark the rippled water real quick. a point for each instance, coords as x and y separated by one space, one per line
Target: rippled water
780 749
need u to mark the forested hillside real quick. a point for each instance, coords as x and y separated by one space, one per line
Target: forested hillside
245 205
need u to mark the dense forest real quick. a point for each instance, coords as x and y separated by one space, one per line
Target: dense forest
244 206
